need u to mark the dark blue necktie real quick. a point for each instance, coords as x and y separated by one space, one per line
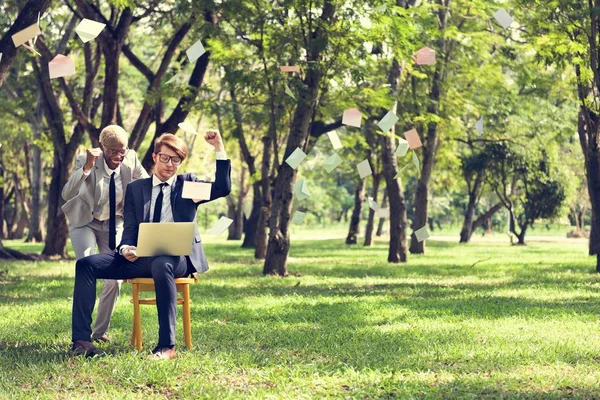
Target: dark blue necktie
112 199
158 203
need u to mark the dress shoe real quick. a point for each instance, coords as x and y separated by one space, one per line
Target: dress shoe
163 353
102 339
83 348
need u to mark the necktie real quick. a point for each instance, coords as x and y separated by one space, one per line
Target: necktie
112 199
158 203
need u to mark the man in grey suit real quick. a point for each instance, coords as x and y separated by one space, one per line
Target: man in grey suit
94 208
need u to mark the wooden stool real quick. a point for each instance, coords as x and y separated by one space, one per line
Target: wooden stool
140 285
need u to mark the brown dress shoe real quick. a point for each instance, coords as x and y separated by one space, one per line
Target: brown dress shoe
102 339
163 353
83 348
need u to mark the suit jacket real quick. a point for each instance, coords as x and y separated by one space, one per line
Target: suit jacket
137 208
82 193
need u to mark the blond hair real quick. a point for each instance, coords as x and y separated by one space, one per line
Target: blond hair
113 133
172 142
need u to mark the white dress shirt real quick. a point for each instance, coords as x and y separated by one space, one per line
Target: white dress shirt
102 210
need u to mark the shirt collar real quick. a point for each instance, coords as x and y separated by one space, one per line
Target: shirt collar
109 171
156 181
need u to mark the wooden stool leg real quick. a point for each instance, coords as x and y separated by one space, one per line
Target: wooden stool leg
137 319
187 326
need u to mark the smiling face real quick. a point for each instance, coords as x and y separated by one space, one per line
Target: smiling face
114 151
113 142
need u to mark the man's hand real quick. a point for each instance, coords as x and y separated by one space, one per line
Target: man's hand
214 138
130 253
91 156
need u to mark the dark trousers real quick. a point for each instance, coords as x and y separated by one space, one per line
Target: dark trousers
163 269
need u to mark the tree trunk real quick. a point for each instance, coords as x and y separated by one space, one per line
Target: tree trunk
381 223
430 142
37 180
251 225
359 199
260 252
467 228
278 246
57 230
371 220
236 210
588 138
486 218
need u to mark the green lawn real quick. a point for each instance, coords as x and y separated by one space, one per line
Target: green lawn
484 320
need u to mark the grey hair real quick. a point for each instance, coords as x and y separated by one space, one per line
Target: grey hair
113 133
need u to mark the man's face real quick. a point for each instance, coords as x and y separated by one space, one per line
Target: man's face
166 163
114 152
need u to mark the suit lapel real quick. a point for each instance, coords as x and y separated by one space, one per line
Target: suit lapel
98 177
147 198
176 193
125 175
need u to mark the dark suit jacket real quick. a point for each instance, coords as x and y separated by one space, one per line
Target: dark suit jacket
137 208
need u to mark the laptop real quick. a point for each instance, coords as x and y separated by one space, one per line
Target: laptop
165 239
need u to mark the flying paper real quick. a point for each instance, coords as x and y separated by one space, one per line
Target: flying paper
335 140
416 161
479 126
413 139
332 162
352 117
402 148
61 66
301 190
388 121
296 158
380 9
289 92
383 213
289 68
89 30
425 56
400 171
196 190
220 226
364 169
195 52
372 204
187 127
0 56
503 18
26 35
298 217
422 234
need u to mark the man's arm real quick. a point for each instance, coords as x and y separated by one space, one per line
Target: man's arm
131 226
74 183
138 170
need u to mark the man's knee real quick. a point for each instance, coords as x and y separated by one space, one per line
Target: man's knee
162 267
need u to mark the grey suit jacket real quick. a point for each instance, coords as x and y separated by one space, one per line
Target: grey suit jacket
82 193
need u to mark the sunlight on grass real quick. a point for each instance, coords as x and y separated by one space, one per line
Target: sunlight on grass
485 320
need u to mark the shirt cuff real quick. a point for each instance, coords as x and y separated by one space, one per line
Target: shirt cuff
221 155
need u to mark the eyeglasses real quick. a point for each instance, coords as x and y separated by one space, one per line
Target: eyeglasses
164 158
114 152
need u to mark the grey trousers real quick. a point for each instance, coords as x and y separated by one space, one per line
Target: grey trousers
85 239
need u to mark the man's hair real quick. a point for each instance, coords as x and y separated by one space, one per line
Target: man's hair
172 142
113 133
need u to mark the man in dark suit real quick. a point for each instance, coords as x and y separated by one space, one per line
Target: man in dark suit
155 199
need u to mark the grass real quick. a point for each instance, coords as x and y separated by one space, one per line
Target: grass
484 320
